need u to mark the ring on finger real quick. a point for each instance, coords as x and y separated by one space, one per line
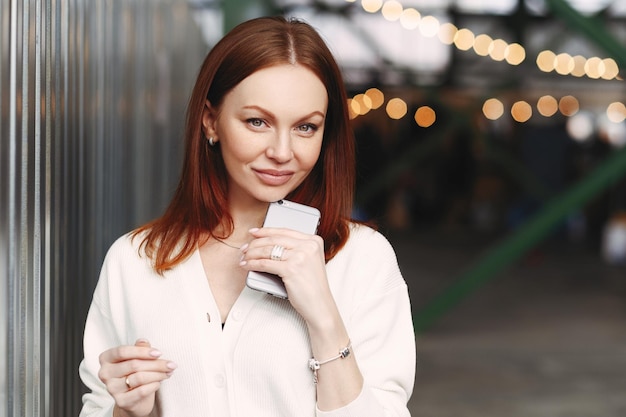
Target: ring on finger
277 253
128 384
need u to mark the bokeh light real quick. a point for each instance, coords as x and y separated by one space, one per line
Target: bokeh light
396 108
364 104
429 26
410 18
580 127
613 133
515 54
545 61
425 116
371 6
611 69
493 109
447 32
579 66
464 39
481 44
392 10
377 98
547 106
353 109
564 64
594 68
616 112
497 49
521 111
569 105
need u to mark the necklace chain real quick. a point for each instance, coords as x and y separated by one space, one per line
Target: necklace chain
227 244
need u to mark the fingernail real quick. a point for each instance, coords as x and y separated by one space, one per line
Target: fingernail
169 374
172 365
242 263
141 341
155 353
254 229
243 247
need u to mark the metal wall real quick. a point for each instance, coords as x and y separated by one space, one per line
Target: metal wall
93 95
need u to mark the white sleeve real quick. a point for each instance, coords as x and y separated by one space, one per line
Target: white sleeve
99 336
383 338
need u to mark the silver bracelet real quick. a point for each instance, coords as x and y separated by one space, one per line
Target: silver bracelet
314 364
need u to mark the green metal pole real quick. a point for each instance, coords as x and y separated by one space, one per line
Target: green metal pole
516 245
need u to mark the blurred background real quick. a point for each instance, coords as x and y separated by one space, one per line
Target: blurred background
491 152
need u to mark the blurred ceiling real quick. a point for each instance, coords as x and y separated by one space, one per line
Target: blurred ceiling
375 47
416 45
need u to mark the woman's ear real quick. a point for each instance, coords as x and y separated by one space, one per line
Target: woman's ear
208 120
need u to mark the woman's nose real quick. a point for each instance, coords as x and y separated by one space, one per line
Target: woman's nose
280 148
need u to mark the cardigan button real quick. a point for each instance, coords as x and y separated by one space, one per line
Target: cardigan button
237 315
219 380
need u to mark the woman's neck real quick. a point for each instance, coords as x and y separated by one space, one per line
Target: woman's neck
244 218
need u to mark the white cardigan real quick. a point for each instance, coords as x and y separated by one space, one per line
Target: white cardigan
258 364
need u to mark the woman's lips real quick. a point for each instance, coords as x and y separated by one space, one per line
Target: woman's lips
273 177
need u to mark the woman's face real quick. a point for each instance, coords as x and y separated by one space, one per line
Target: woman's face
270 129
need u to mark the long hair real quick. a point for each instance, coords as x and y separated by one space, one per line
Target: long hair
200 202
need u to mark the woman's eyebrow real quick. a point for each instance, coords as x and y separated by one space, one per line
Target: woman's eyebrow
272 115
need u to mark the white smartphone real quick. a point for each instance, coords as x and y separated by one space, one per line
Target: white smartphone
288 215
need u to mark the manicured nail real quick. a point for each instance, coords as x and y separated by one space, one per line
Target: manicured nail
242 263
155 353
254 229
172 365
243 247
142 341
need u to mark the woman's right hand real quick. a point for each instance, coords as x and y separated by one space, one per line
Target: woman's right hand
133 375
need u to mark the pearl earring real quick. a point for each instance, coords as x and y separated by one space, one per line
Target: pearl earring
211 141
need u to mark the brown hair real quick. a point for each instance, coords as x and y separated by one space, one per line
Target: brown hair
199 204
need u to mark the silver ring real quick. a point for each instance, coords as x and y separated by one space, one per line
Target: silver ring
128 384
277 253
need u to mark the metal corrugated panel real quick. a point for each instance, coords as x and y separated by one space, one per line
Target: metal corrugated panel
93 96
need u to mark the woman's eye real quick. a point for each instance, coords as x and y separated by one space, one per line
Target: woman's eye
254 122
307 128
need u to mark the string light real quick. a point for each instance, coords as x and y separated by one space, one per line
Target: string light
563 64
429 26
521 111
594 67
481 44
392 10
425 116
464 39
447 32
497 49
547 106
396 108
616 112
515 54
493 109
579 66
580 127
376 97
371 6
362 104
410 18
568 105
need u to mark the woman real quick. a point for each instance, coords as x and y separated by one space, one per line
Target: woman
174 331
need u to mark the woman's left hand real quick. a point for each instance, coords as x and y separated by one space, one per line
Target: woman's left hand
302 266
